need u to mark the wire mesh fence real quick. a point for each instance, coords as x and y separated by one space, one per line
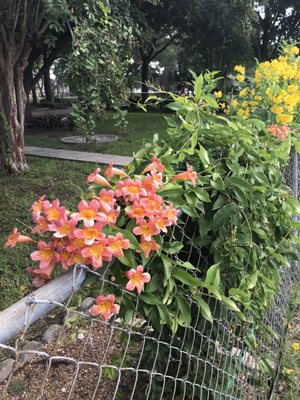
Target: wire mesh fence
130 359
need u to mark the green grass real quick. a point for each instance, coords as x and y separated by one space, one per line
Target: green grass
142 126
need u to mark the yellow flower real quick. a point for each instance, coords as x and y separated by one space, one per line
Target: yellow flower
294 50
292 88
290 325
240 78
276 109
296 346
284 118
234 103
243 92
240 69
289 370
218 94
223 105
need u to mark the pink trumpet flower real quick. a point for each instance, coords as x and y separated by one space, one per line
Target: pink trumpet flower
110 171
137 279
15 237
188 175
105 306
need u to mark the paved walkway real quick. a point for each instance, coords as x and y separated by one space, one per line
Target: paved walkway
77 155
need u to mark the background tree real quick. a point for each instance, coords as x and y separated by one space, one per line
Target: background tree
31 29
218 35
157 26
277 20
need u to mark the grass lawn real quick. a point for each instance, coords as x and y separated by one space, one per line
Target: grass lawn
142 126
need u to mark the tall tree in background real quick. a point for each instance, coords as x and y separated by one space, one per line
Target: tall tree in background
23 23
157 26
218 35
31 29
277 20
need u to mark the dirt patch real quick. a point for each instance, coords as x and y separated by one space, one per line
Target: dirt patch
89 359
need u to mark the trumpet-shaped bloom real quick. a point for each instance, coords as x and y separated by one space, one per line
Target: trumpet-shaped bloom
110 171
111 218
155 165
188 175
55 212
45 254
171 213
146 229
88 212
95 177
42 275
90 233
136 210
117 244
97 252
148 246
42 225
38 207
105 306
137 279
15 237
131 189
64 229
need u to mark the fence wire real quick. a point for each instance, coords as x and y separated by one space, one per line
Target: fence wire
94 359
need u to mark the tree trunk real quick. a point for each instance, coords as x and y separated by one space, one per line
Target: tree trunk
48 87
34 96
12 112
145 77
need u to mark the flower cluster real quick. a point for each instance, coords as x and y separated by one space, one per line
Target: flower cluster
275 89
90 235
280 133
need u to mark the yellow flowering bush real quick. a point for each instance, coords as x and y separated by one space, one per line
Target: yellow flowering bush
273 95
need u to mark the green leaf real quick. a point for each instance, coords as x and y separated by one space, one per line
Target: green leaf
185 310
175 106
213 275
266 367
186 278
294 203
150 298
202 194
191 212
210 101
223 215
163 313
154 284
172 247
229 303
198 87
204 156
204 308
167 263
240 183
128 259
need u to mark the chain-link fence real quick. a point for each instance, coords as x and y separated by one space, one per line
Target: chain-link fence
70 355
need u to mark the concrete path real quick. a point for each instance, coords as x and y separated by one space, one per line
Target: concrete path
77 155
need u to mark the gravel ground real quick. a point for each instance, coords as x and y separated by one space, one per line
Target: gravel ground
56 381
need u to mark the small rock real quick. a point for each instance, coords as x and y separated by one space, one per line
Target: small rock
80 336
87 304
52 333
26 357
6 367
63 390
